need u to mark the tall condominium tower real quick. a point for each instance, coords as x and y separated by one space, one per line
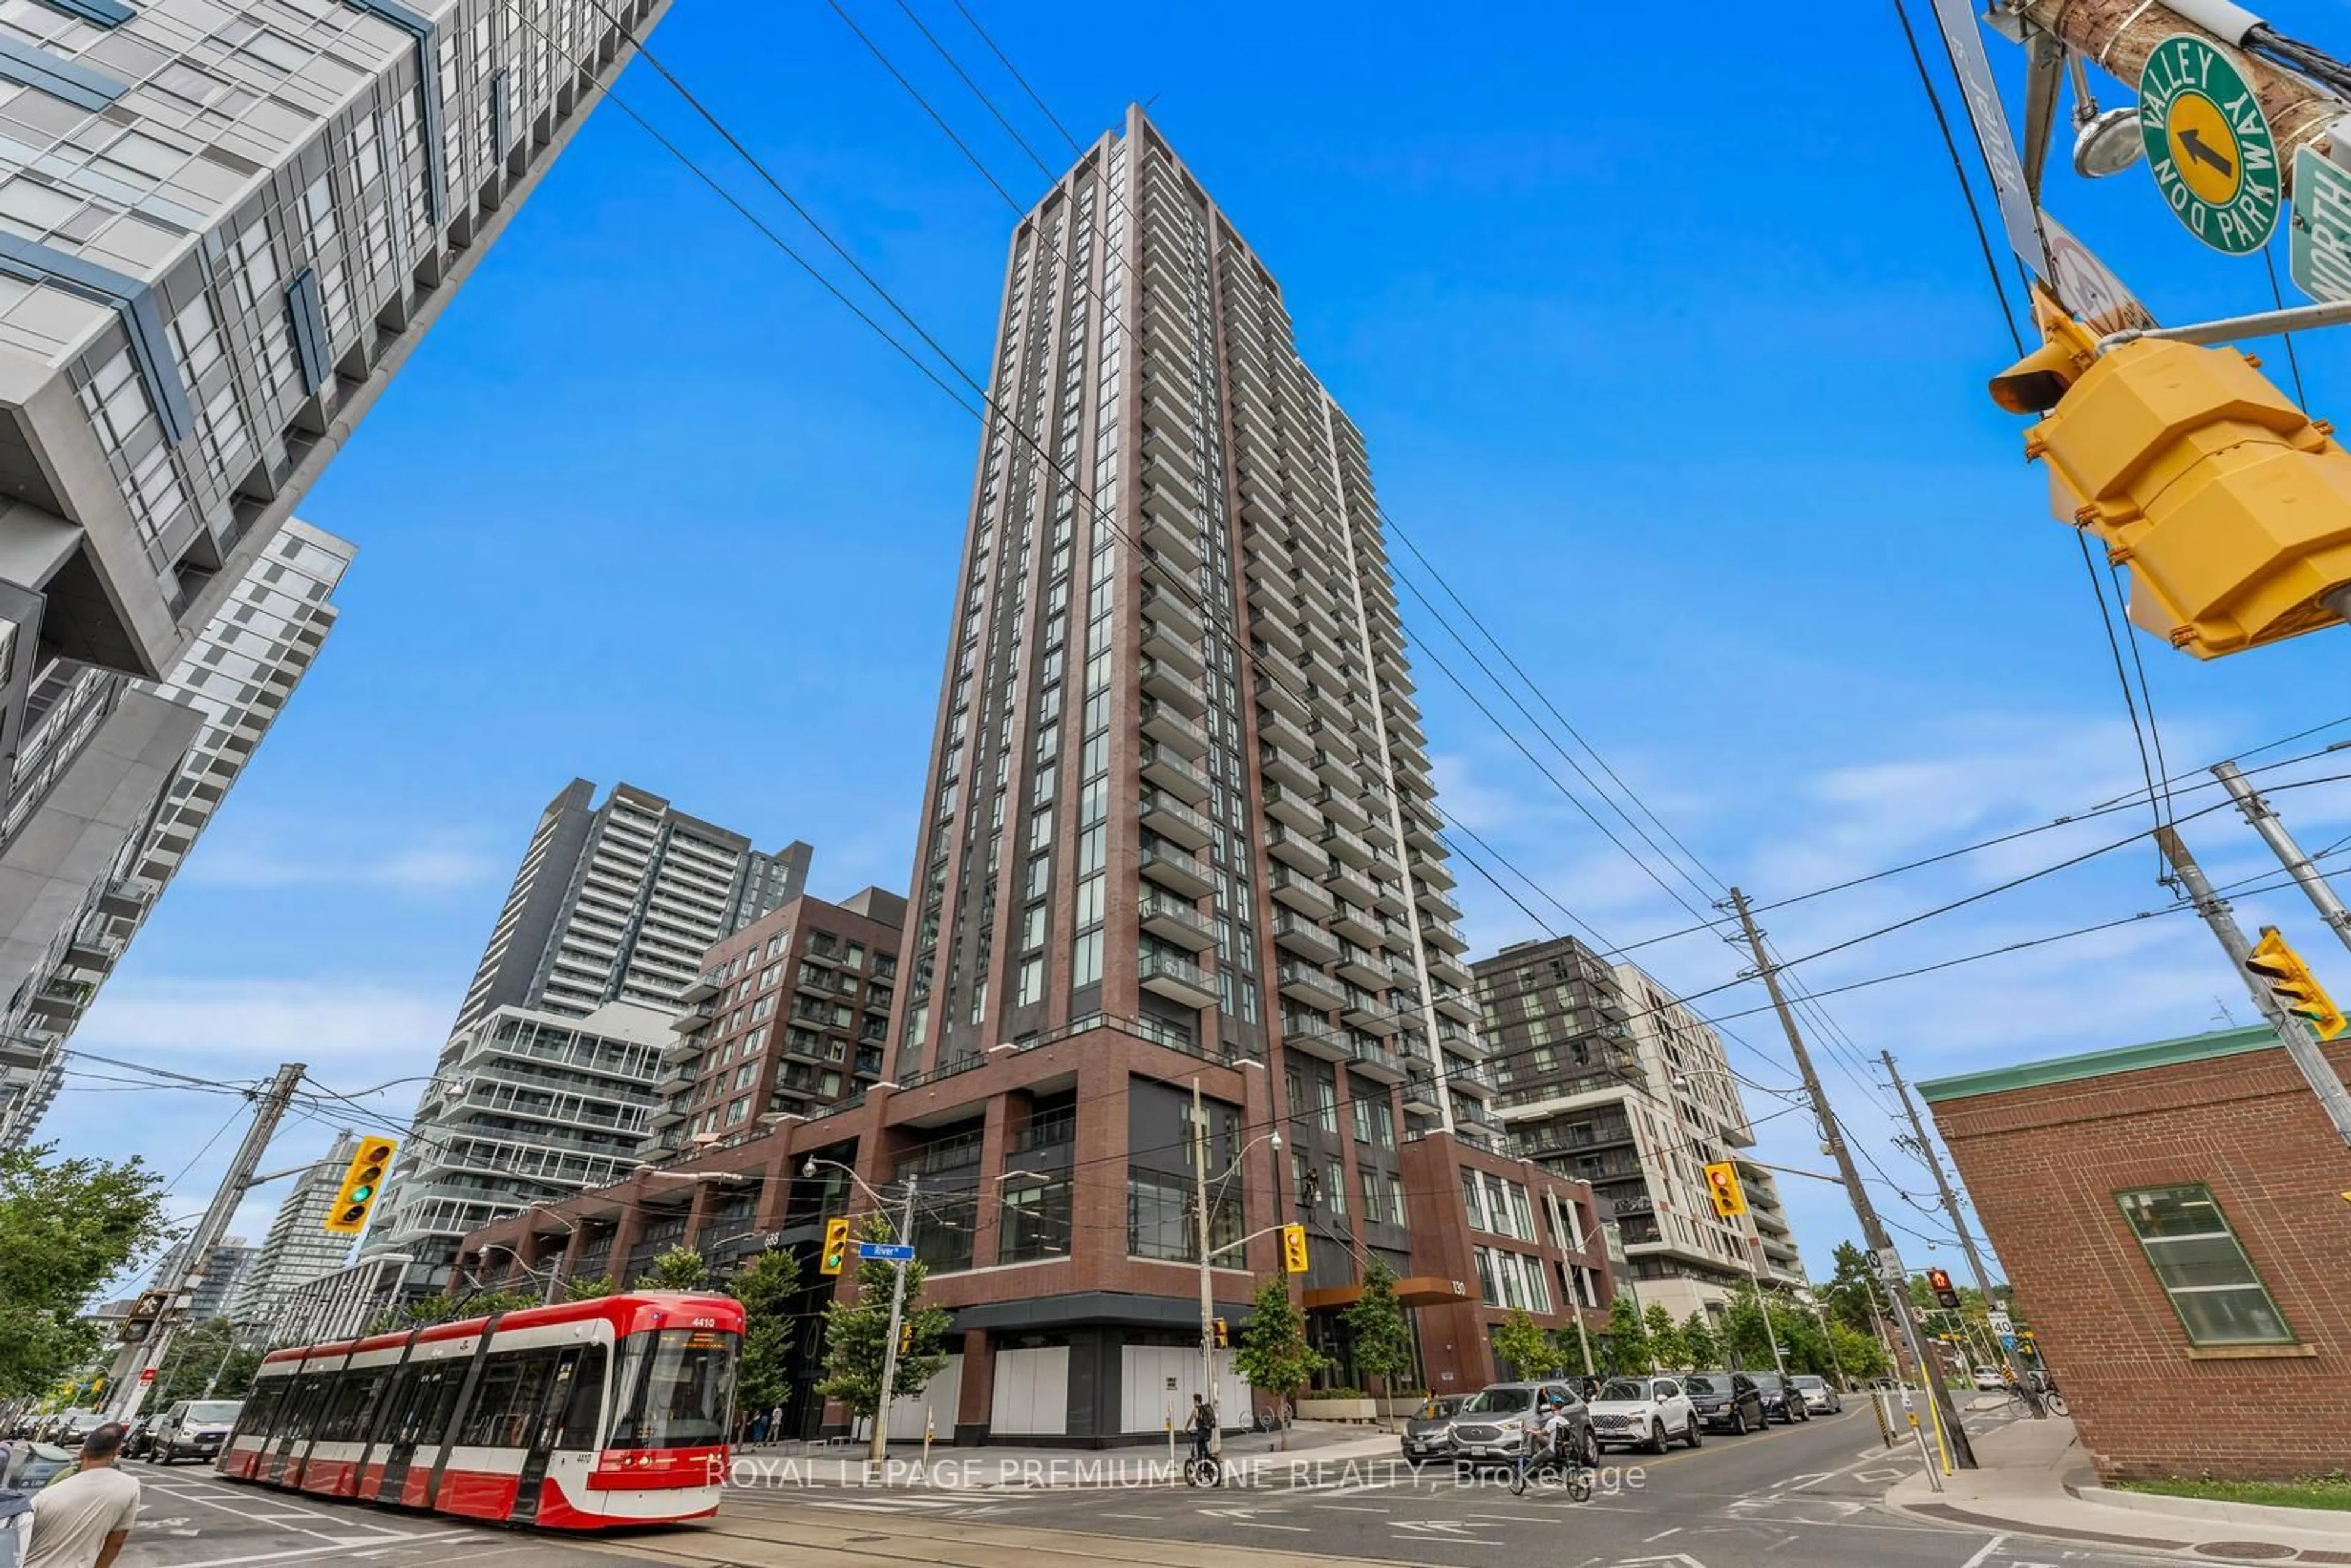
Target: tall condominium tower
297 1248
1607 1078
71 926
619 902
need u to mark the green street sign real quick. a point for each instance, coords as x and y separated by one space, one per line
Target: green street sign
2209 144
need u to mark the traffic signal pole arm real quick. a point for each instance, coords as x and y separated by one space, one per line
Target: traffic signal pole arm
1237 1246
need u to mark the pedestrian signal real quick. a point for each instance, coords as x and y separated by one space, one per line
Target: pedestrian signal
905 1339
1722 1186
1217 1335
2296 989
1293 1249
836 1245
362 1181
1939 1281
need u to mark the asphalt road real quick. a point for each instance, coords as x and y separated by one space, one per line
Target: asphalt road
1813 1490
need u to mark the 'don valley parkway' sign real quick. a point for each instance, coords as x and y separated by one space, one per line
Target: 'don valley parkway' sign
2209 144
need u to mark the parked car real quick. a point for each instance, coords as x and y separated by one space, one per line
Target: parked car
1492 1426
1428 1431
1990 1378
141 1433
192 1428
1818 1397
1783 1401
1726 1399
68 1427
1646 1412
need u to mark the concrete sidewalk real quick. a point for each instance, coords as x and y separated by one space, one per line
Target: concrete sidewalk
2036 1480
1317 1446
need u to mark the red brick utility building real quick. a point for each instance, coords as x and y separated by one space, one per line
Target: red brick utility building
2173 1218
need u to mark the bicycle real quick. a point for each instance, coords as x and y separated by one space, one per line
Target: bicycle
1201 1468
1551 1468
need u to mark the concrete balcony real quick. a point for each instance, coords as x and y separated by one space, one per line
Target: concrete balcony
1283 699
1175 920
1434 903
1163 443
1445 970
1171 818
126 896
1295 890
1169 644
1341 806
1272 545
668 1116
1279 730
1296 934
1432 873
1169 606
1456 1004
1308 986
674 1080
1314 1036
1398 724
1170 771
1172 688
1288 769
94 952
1376 1059
1293 849
1178 870
1363 965
1358 925
1446 934
1292 809
1343 844
1420 1096
1271 624
1174 730
62 1001
1369 1013
1351 883
1337 769
1175 977
1167 528
702 991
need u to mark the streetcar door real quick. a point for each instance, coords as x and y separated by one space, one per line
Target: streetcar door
418 1421
546 1422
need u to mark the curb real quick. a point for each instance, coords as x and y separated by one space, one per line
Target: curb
2211 1510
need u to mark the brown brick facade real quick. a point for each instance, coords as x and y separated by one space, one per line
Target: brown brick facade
2044 1162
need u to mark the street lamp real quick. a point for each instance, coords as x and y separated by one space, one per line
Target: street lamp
880 1448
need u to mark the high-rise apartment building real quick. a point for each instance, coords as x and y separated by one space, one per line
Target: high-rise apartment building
619 902
526 1107
1178 839
235 678
1607 1079
297 1248
221 1283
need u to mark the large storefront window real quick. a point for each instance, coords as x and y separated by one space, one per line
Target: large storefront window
1160 1223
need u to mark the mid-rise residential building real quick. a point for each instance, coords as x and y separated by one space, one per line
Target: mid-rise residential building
791 1015
619 902
1177 848
236 677
526 1107
1607 1078
220 1282
299 1247
225 224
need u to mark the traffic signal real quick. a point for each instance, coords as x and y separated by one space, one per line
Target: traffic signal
2230 507
905 1339
1939 1281
2296 989
1722 1186
363 1180
1293 1249
1217 1335
836 1245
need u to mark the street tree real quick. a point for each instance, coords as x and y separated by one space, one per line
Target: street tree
1270 1351
65 1227
857 1334
1383 1339
196 1355
1666 1349
1852 1290
1628 1339
1745 1337
1862 1355
1572 1350
1698 1341
679 1268
593 1289
1520 1341
766 1288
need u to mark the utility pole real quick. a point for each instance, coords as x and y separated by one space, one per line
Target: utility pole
1207 1282
1762 1301
1872 1228
127 1391
1960 1224
881 1447
2265 822
2299 1043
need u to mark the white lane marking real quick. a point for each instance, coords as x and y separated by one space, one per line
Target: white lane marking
1344 1507
332 1546
1986 1550
1676 1529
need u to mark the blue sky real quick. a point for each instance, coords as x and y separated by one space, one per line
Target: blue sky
1670 349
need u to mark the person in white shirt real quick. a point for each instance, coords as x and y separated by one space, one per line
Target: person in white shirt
81 1520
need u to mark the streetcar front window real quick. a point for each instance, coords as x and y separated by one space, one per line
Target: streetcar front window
680 1389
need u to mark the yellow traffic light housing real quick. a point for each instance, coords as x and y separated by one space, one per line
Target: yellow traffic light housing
2289 979
362 1184
2230 505
1218 1336
1722 1186
1293 1249
905 1339
836 1245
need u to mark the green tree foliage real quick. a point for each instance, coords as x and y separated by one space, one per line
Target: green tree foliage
679 1268
1383 1339
195 1354
1667 1347
65 1227
589 1289
1860 1354
1270 1351
1745 1337
1521 1341
1699 1345
766 1288
1628 1339
1849 1294
857 1334
1572 1350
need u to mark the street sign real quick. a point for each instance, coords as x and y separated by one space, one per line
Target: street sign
1957 18
2008 1342
2318 246
146 1377
1889 1266
887 1251
2209 145
2088 287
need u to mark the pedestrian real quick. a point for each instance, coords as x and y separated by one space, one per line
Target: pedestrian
758 1427
1202 1426
82 1520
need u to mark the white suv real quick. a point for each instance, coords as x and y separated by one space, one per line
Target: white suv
1646 1412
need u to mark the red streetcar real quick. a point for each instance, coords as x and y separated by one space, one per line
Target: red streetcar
583 1416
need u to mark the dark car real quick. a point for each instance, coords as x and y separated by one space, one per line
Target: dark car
1496 1424
1727 1400
1428 1431
1783 1400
